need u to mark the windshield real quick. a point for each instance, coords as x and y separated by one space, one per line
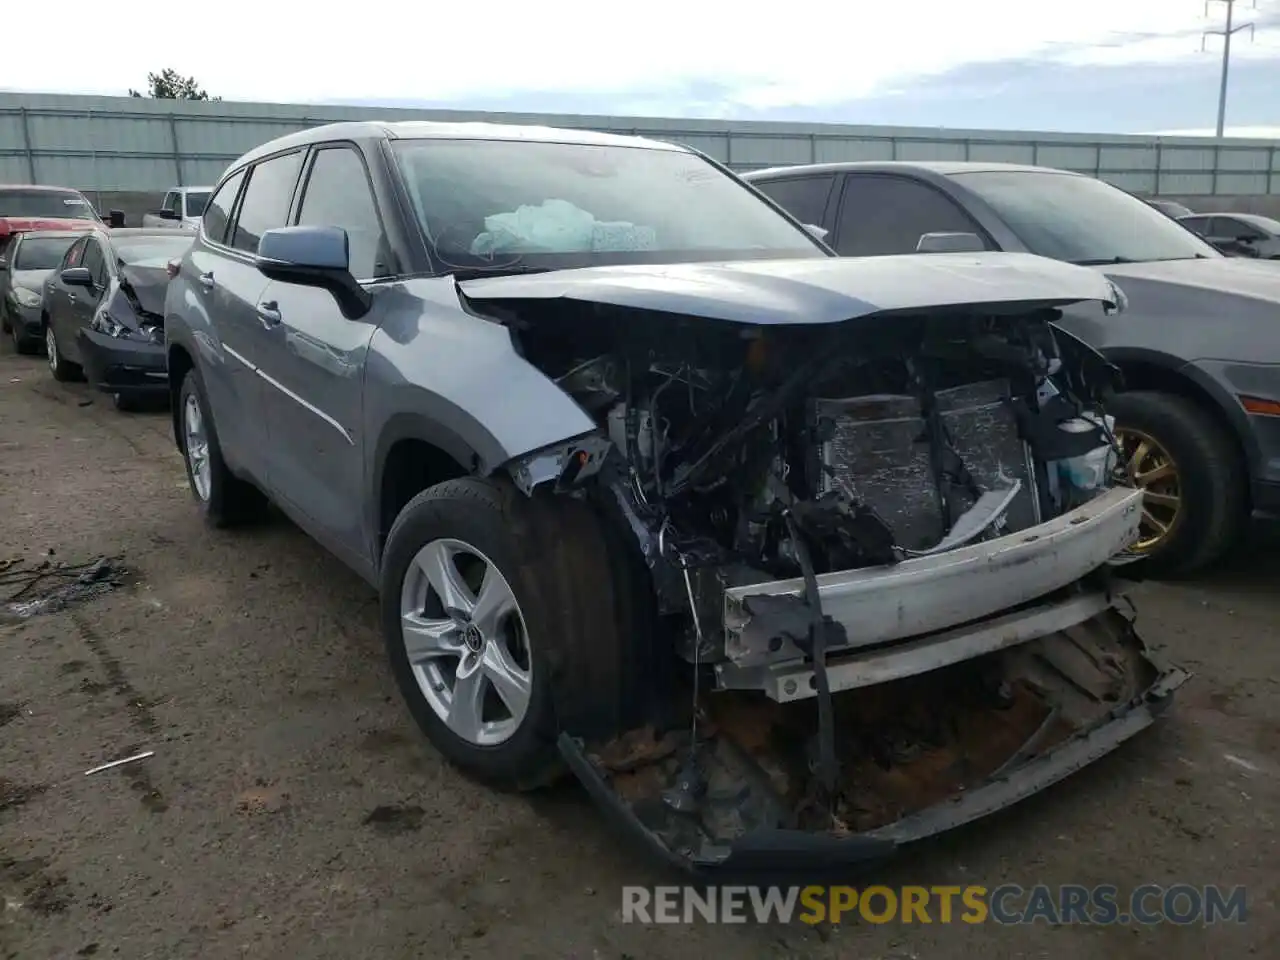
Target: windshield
497 204
41 253
196 202
1082 220
66 205
150 252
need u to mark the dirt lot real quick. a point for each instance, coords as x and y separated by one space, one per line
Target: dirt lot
291 810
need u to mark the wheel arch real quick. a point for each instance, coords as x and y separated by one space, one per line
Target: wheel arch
1153 370
412 453
177 362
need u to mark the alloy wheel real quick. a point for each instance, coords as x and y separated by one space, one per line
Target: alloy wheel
51 348
1154 471
466 641
196 443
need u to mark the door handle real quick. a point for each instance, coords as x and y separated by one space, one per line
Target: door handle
269 313
206 280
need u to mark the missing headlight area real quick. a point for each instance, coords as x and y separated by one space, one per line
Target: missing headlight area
881 554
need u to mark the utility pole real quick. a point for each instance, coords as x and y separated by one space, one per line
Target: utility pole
1226 33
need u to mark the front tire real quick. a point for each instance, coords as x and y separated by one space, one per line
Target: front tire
224 499
62 369
22 344
1197 491
500 619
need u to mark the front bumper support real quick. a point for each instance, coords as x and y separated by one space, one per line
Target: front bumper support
924 595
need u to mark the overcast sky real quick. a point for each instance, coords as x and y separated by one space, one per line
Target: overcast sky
1130 66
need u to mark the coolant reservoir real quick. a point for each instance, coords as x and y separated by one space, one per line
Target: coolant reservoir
1088 471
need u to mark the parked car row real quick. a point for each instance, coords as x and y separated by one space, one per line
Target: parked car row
94 299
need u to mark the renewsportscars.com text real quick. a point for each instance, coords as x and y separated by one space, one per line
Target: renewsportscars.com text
1011 904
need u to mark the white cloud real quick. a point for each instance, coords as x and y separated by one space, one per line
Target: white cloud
1247 133
263 50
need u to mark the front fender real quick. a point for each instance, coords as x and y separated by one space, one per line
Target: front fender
462 373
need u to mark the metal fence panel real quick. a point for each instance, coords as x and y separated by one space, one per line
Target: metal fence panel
144 145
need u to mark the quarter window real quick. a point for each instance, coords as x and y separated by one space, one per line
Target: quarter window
218 213
338 194
266 200
887 215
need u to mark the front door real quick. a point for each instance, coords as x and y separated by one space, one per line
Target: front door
314 357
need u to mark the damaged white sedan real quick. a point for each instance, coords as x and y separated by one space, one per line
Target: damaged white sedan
790 559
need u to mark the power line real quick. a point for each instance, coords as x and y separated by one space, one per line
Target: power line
1226 33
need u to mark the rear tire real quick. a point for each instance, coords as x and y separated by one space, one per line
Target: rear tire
551 553
1211 476
224 499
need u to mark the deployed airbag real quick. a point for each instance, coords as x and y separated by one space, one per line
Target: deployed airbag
557 226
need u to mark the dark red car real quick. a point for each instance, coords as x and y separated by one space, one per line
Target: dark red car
27 207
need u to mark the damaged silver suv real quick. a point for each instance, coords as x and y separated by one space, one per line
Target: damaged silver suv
785 556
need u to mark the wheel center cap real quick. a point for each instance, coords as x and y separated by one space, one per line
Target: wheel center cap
473 638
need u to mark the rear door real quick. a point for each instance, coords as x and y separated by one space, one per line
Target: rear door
882 214
313 357
228 284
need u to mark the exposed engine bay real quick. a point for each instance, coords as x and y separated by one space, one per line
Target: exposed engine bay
882 550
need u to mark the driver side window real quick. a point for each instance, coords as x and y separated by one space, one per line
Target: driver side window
96 264
1235 229
75 253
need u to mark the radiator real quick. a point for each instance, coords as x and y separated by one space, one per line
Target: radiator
876 448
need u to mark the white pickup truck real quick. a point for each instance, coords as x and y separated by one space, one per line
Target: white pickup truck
182 209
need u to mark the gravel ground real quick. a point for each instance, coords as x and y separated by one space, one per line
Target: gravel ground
291 809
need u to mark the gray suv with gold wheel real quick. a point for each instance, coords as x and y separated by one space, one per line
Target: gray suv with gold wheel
1198 342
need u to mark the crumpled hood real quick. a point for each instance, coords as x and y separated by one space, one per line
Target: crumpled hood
1258 279
10 225
812 291
148 285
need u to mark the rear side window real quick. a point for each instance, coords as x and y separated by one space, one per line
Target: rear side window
805 198
266 200
882 215
218 213
338 194
1198 224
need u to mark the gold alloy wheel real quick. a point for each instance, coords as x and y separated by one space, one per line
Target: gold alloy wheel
1154 471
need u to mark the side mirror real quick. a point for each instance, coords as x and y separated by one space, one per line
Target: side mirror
314 257
819 232
115 218
77 277
168 214
950 243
